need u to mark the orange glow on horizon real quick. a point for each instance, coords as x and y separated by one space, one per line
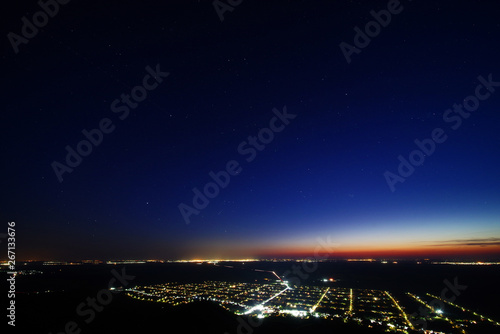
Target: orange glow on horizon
381 252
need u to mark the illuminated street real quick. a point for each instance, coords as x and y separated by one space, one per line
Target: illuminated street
369 307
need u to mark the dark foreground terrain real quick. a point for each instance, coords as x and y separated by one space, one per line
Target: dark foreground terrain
47 300
51 313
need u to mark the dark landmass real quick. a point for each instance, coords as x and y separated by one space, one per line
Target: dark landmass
50 313
47 301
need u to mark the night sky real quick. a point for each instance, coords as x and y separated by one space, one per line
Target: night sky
307 132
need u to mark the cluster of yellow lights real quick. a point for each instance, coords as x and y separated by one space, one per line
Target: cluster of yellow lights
261 300
277 298
216 260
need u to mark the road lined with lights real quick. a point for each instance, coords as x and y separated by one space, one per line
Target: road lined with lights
438 312
319 301
482 317
262 300
350 303
400 309
261 305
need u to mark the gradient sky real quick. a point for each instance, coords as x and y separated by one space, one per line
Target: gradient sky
321 177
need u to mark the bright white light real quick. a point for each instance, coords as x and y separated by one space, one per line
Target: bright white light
295 313
439 311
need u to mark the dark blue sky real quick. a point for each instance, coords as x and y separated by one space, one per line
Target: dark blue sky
322 175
